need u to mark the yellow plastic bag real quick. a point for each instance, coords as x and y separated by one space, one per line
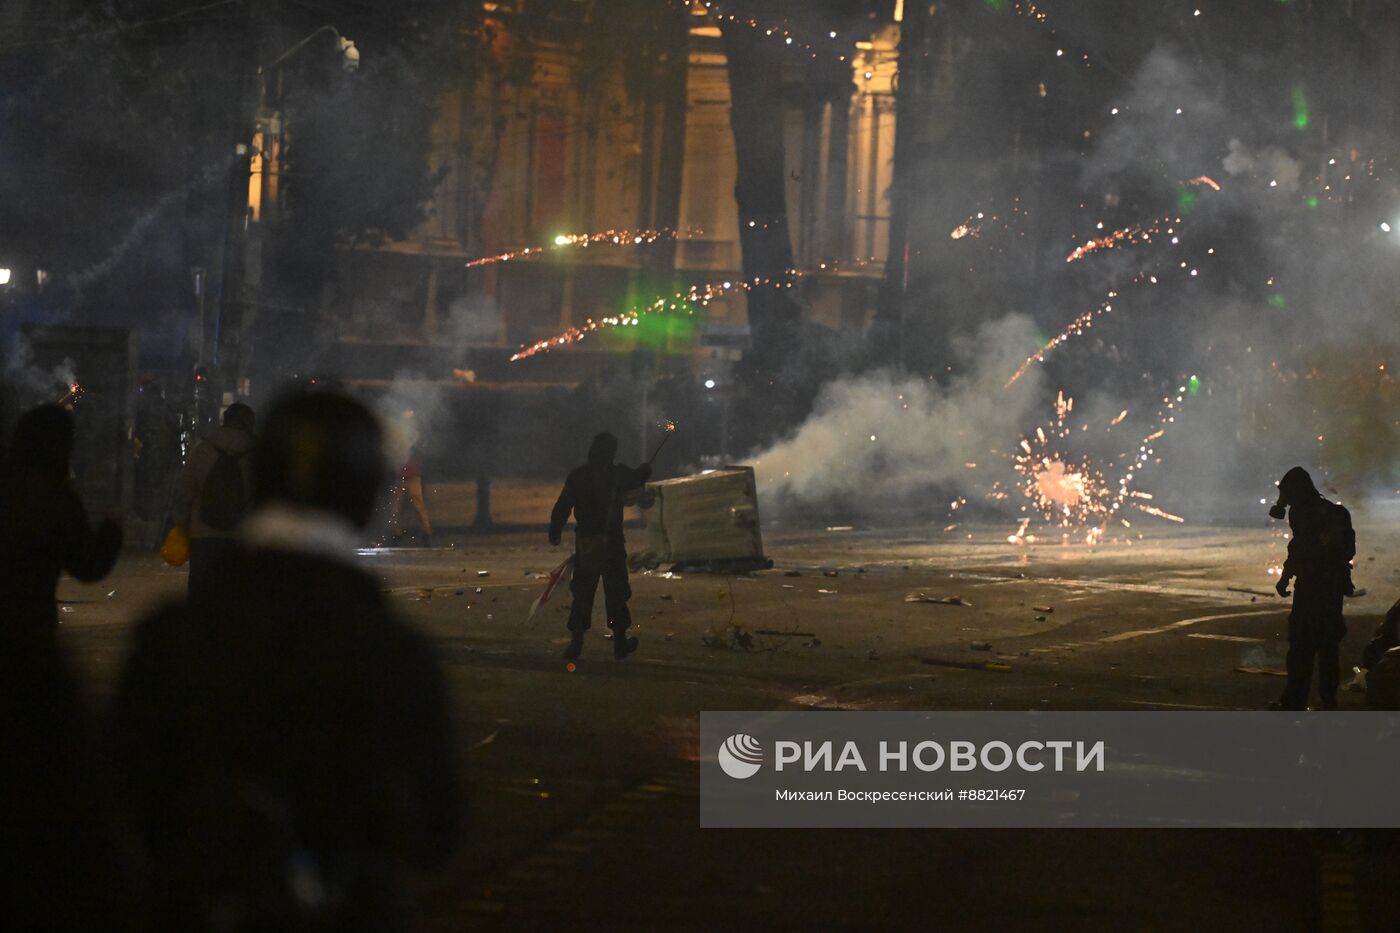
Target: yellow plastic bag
176 549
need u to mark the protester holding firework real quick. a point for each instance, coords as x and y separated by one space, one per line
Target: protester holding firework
593 494
44 529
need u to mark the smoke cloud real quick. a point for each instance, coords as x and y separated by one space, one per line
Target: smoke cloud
884 435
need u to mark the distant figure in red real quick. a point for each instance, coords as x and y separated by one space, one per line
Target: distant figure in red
409 483
1320 550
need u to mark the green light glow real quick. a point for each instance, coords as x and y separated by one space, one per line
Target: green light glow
1193 385
1185 199
1312 201
1300 107
1277 300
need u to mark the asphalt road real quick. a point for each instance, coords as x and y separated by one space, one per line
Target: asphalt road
583 785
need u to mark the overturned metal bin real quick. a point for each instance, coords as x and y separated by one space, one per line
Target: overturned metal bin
707 521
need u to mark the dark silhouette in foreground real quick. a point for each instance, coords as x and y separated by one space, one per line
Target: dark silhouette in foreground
57 865
1320 550
213 495
44 529
283 743
1380 661
593 493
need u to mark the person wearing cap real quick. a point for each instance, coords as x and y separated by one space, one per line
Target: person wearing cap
1320 550
593 494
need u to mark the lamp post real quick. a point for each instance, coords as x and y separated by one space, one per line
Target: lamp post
239 287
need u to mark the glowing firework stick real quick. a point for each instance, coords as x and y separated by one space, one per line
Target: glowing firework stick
667 431
559 575
75 392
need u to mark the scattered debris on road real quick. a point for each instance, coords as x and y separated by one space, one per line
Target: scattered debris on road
734 637
940 600
967 665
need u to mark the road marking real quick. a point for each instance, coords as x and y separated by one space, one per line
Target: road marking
1156 589
1213 637
1156 705
1139 633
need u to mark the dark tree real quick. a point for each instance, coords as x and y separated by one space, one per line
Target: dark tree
121 121
755 67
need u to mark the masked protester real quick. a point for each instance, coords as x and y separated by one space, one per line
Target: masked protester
593 493
1320 550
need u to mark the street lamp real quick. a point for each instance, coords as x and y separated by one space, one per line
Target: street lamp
235 280
350 56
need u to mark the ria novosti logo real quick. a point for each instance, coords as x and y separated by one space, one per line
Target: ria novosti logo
740 756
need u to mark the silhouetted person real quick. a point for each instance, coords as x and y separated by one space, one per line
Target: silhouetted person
44 529
1320 550
593 493
283 743
53 861
214 494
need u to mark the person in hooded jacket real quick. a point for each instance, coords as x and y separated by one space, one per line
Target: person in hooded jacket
212 495
1320 550
593 493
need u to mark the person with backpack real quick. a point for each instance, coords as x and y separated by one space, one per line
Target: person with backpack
1320 550
213 495
593 493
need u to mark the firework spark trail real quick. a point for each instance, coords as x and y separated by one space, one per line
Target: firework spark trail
1083 322
697 296
1075 328
972 226
602 237
1206 180
1129 235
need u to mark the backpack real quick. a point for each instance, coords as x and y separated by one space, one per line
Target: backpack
223 500
1338 542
